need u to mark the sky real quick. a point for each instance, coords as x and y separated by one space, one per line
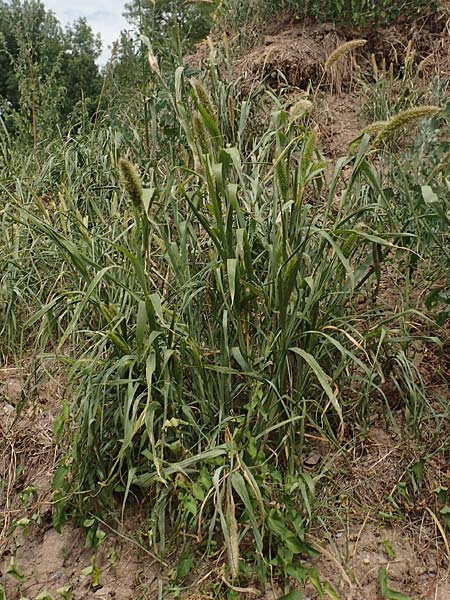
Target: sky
104 16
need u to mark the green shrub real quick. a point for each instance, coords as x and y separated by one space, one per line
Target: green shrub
361 12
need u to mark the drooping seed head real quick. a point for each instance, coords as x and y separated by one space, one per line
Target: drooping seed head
426 62
341 50
370 130
374 127
404 118
300 108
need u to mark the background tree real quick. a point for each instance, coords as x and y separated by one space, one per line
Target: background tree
80 73
193 20
45 70
26 24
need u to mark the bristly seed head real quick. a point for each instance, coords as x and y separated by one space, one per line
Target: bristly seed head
372 128
341 50
405 118
282 178
300 108
202 96
131 181
308 149
200 133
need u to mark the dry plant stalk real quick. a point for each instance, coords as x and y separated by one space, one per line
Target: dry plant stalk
153 62
234 538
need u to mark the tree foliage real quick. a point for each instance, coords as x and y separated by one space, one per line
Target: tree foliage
44 69
157 19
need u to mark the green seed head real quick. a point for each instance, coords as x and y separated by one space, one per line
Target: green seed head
200 133
282 179
374 127
309 148
131 181
403 119
202 96
289 268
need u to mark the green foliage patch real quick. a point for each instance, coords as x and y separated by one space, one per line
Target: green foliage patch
362 12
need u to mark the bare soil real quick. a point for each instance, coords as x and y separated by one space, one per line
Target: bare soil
47 560
416 567
369 533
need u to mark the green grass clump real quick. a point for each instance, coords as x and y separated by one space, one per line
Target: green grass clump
213 296
211 332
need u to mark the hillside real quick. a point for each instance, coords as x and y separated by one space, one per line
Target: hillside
225 316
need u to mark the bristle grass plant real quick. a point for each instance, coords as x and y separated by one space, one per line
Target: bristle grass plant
205 317
214 301
392 89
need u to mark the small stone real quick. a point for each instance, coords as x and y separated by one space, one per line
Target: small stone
57 575
313 458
